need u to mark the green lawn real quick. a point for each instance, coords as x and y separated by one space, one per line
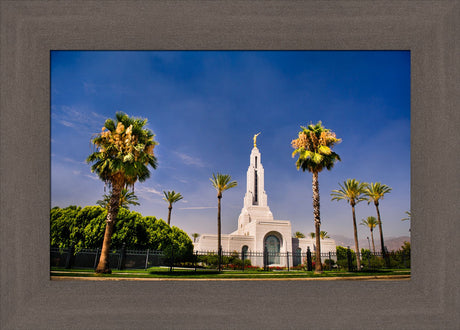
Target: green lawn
163 272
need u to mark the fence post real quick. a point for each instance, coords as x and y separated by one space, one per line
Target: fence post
265 258
121 259
95 259
172 259
147 259
330 261
196 259
287 254
69 260
309 264
350 265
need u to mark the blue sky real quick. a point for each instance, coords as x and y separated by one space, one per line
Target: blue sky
204 108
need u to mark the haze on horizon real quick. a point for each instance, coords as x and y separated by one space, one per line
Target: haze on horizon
204 108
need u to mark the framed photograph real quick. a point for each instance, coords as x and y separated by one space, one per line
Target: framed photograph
31 31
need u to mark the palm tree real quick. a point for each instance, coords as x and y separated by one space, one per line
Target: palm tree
323 234
351 191
171 197
126 198
298 234
124 150
408 216
312 235
195 236
314 147
370 222
374 193
220 182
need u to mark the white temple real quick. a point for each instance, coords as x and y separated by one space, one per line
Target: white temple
257 229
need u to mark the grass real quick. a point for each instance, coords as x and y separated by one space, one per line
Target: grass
163 272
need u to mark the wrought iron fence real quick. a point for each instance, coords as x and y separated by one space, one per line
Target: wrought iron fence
121 258
230 260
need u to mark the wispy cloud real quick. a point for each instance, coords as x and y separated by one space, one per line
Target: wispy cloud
148 190
190 160
198 208
73 161
78 118
66 123
91 176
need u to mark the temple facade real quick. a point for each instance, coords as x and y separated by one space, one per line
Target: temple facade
257 230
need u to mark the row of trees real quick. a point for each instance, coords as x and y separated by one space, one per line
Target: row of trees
322 234
313 146
84 227
124 152
122 156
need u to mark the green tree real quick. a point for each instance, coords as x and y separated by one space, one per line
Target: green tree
374 193
314 148
312 235
371 223
352 191
126 198
298 234
323 234
221 182
84 228
195 236
124 150
171 197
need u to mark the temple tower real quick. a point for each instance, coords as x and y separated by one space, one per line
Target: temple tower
255 200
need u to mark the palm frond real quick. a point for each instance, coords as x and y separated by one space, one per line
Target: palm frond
313 147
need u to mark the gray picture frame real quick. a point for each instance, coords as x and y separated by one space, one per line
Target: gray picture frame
31 29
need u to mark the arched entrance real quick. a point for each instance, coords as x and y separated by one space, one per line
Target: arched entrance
272 247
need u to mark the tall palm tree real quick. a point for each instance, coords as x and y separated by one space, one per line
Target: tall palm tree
352 191
370 222
122 156
221 182
195 236
126 198
314 147
312 235
374 193
171 197
323 234
298 234
408 216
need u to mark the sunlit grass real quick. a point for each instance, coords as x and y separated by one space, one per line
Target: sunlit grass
164 272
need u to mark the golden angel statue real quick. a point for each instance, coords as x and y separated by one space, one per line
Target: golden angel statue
255 139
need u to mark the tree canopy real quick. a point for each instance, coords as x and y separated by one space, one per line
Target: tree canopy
84 227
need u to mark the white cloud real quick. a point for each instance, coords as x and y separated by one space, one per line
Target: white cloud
190 160
66 123
198 208
148 192
78 118
92 176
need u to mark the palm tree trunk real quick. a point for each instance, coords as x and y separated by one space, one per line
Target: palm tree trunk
316 213
355 232
169 214
219 244
384 254
372 236
112 213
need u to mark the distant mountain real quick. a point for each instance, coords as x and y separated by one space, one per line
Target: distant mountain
392 243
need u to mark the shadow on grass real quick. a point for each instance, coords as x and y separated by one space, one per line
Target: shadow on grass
184 272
